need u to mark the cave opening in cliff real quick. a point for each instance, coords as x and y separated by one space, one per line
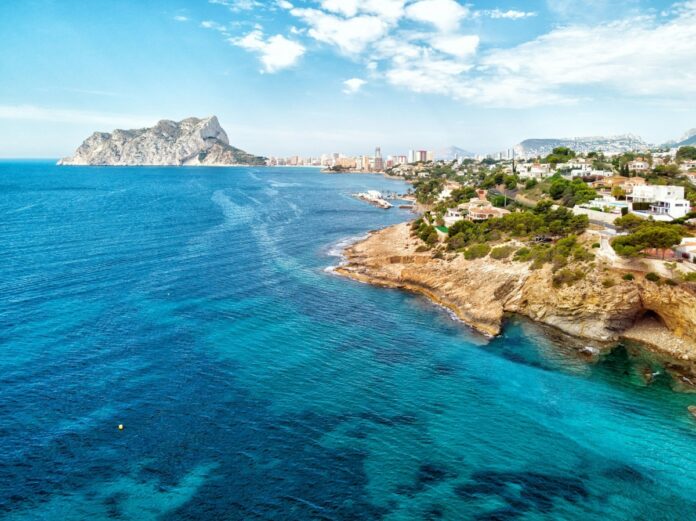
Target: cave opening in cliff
648 315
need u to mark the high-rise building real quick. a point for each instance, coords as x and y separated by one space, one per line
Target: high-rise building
379 162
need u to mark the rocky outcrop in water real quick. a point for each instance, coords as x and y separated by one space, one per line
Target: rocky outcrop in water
481 291
190 142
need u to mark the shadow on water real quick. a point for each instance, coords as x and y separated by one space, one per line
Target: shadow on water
521 492
266 466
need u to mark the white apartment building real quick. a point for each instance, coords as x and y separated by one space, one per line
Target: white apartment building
414 156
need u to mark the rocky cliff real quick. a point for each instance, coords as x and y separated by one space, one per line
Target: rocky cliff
603 307
189 142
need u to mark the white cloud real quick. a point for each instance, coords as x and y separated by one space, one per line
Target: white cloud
350 35
238 5
460 46
276 52
72 116
210 24
386 9
511 14
443 14
181 18
95 92
638 56
429 73
353 85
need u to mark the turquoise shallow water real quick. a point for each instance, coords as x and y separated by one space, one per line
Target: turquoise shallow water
193 306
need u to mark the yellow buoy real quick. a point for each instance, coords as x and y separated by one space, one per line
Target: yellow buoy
120 426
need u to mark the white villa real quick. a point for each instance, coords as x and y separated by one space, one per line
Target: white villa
666 202
638 166
687 249
454 215
686 166
578 163
533 170
477 209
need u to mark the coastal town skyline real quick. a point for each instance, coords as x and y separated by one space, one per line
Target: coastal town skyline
429 73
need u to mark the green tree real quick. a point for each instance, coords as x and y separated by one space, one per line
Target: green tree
510 182
687 152
659 236
629 222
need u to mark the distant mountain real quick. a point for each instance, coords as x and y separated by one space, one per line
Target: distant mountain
607 144
190 142
688 139
452 153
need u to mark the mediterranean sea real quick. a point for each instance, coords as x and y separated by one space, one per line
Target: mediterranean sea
193 307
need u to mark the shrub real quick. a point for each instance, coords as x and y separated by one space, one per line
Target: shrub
566 276
559 261
652 277
477 251
432 237
422 248
596 245
581 254
608 283
628 276
502 252
690 277
523 254
671 282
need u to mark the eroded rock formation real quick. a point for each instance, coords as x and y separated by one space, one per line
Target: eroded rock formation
190 142
481 291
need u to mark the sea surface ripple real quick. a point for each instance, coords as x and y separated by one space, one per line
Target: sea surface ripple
193 306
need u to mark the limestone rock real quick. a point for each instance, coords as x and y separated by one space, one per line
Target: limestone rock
481 291
190 142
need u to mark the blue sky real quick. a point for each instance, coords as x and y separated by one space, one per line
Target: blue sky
306 76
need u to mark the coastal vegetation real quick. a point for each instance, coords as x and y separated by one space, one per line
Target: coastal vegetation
646 234
425 231
541 222
551 235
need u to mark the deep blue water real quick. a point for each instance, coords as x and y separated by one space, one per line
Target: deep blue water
193 307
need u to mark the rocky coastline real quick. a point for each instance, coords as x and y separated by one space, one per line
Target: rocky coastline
602 310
